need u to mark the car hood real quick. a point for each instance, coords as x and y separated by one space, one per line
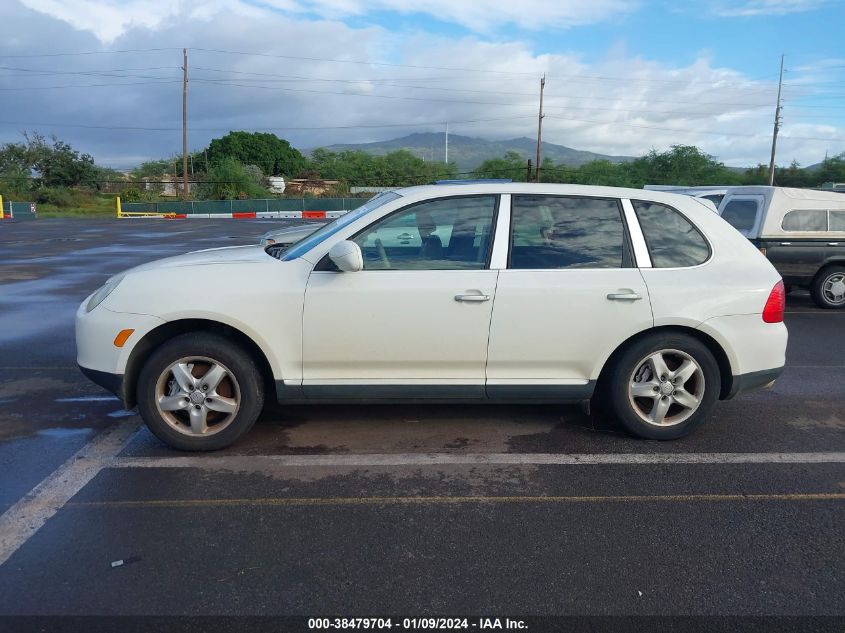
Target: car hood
224 255
292 234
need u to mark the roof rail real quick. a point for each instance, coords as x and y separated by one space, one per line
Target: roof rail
489 181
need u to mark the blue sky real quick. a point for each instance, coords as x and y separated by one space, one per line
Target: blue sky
624 76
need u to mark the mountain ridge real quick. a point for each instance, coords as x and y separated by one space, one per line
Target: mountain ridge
469 152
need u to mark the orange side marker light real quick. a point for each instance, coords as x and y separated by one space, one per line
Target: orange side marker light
122 337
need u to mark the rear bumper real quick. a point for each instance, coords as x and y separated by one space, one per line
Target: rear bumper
752 380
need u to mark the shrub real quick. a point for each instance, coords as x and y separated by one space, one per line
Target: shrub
57 196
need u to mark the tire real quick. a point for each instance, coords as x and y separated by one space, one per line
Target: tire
828 288
633 372
190 413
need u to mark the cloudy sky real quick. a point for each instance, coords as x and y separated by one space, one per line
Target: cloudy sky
623 76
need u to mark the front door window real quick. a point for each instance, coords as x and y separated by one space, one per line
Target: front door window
443 234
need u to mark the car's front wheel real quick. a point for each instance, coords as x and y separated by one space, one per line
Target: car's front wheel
828 289
199 392
663 386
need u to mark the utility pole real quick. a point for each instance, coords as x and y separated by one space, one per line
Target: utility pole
185 123
447 142
528 175
777 128
540 129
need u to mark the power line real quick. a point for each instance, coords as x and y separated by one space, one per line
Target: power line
110 85
712 132
365 63
81 53
261 129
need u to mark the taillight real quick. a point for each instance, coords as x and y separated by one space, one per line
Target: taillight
773 310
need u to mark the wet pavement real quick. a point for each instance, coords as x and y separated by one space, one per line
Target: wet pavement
249 530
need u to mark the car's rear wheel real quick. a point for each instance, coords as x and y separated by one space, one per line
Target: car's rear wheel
828 289
663 386
199 392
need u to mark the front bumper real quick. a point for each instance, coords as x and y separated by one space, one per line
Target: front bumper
96 353
112 383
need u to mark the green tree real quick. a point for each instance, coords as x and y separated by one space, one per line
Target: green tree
681 165
155 168
273 155
50 163
511 165
831 170
229 179
395 169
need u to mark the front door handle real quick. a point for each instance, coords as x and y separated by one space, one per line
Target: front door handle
624 296
472 297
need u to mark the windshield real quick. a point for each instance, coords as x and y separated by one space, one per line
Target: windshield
306 244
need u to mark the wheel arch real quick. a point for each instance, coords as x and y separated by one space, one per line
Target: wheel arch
837 260
155 337
725 371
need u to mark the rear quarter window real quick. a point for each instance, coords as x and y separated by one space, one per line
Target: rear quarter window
673 241
805 220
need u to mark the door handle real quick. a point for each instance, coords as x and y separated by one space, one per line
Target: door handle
624 296
472 297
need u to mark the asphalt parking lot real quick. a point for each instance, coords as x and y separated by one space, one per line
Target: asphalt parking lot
413 510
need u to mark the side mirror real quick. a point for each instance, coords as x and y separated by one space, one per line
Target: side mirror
347 256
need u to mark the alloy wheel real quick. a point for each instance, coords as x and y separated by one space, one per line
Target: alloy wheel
197 396
666 387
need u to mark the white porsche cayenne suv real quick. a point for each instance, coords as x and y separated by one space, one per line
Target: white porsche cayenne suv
647 303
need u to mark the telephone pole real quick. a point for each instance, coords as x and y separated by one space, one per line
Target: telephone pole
540 130
777 128
447 143
185 123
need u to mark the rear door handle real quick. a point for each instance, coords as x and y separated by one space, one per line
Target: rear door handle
624 296
472 297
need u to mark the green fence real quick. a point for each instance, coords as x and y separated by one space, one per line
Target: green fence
19 210
268 208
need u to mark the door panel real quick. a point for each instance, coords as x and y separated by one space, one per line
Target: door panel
397 327
554 326
417 315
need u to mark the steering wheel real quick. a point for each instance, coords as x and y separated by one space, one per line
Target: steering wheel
382 253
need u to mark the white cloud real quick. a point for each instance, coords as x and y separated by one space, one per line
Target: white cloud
767 7
621 104
479 15
109 19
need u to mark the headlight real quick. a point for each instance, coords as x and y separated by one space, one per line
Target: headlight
98 297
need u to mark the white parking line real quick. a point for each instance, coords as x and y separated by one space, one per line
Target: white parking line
21 521
252 462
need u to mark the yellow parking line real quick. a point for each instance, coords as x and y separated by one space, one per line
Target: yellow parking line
355 501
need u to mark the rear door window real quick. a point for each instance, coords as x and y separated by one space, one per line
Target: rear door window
553 232
805 220
741 214
673 241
